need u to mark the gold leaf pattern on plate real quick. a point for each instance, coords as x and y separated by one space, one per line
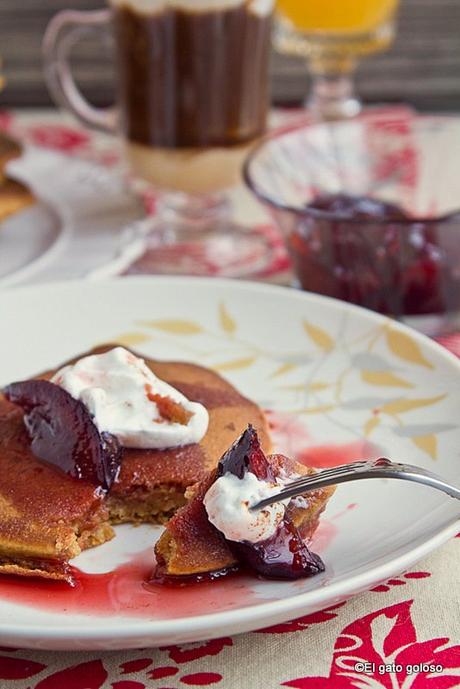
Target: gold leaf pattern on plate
427 443
405 405
370 425
318 386
235 364
373 368
284 368
227 322
321 409
385 379
131 339
174 326
319 336
404 347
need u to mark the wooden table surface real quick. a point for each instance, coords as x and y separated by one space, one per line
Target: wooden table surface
423 66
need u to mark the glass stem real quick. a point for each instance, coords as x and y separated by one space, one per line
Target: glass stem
200 214
332 95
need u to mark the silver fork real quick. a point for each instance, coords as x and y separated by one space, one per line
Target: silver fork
379 468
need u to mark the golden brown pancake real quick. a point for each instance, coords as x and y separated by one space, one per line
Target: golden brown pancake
48 517
191 545
9 150
14 196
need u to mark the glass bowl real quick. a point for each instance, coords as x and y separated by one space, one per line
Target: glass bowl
370 211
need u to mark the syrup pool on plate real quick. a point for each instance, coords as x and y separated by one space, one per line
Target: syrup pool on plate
127 591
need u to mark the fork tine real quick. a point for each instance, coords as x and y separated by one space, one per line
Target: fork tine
378 468
324 478
333 471
306 481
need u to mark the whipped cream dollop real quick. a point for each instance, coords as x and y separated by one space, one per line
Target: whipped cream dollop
127 400
227 504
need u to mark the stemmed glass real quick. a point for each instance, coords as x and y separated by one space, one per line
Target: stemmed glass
332 35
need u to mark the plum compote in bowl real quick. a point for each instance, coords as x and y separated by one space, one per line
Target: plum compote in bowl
370 211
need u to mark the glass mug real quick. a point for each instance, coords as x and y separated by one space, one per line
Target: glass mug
192 97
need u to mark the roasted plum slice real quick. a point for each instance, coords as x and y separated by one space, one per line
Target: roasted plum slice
285 554
246 455
63 433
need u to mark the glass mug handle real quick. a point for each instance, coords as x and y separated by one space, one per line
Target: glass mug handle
62 33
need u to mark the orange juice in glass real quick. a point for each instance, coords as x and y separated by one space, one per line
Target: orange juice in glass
332 34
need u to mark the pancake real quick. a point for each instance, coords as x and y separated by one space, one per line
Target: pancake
48 517
14 196
191 546
9 150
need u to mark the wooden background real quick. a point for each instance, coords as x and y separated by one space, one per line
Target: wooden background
422 68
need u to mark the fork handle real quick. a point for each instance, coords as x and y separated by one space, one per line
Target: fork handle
403 472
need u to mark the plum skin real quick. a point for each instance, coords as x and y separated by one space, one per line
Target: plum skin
64 434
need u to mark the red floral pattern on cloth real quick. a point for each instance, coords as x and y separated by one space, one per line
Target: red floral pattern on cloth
6 119
401 581
135 665
58 137
183 654
91 675
383 639
419 622
161 672
18 668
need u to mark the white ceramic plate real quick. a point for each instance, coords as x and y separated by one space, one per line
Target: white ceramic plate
28 239
339 381
85 223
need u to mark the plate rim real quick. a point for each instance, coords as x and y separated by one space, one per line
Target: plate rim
259 614
63 232
293 292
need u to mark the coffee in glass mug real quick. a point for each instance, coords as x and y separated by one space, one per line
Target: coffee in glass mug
192 85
